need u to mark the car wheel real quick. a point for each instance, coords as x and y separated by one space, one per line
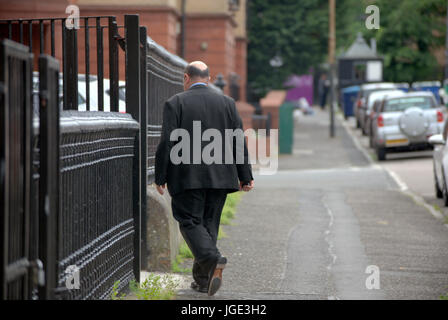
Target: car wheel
381 153
444 191
363 130
439 192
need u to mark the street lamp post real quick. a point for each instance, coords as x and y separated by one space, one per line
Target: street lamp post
331 61
276 62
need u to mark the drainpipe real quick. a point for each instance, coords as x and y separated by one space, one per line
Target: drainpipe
182 27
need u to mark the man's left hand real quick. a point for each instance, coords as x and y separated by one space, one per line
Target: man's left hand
161 188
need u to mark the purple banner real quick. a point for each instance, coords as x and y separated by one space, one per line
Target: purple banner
300 86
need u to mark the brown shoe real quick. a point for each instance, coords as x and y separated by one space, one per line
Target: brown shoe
215 279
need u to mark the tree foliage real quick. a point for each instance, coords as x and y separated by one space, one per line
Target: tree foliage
295 30
411 32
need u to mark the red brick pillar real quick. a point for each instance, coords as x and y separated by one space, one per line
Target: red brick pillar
210 38
241 65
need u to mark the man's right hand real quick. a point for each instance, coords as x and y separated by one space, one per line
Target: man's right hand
247 187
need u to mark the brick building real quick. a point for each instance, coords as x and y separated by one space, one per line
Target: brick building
215 31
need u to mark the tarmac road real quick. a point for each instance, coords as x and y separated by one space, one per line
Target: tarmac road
414 169
313 230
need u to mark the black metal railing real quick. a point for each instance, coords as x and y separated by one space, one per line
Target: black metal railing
165 78
80 199
262 121
97 218
85 184
55 39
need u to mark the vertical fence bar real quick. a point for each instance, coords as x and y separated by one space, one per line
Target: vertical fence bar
71 54
133 106
143 144
49 170
87 62
41 36
52 37
113 65
30 34
21 31
4 155
99 61
9 30
64 66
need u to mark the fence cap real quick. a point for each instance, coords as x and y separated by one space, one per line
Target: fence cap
80 121
161 51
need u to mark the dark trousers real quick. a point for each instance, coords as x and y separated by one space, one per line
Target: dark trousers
198 212
323 99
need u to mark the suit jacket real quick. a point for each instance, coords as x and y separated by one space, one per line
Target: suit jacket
214 111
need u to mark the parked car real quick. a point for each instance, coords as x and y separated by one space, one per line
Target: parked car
363 95
93 93
369 114
404 122
81 97
440 163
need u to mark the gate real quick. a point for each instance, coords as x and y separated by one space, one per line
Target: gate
73 182
17 259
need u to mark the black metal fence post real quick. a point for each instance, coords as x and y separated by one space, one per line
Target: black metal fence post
133 106
113 64
144 148
49 171
71 68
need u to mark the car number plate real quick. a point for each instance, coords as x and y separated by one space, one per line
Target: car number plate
396 141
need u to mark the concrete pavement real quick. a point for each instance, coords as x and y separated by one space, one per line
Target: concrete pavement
312 230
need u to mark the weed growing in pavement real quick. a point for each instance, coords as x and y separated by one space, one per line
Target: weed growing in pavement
115 294
184 253
155 287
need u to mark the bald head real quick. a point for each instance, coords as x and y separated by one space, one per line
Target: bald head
196 71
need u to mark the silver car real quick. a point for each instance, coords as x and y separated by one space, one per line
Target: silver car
363 96
440 163
404 122
375 97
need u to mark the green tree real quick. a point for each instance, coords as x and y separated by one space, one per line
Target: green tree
411 32
298 31
295 30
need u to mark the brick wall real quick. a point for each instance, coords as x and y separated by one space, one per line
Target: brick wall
241 65
215 32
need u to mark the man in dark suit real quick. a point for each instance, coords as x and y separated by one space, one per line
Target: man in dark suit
198 186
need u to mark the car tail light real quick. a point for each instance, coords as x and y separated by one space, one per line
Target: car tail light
439 116
380 121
